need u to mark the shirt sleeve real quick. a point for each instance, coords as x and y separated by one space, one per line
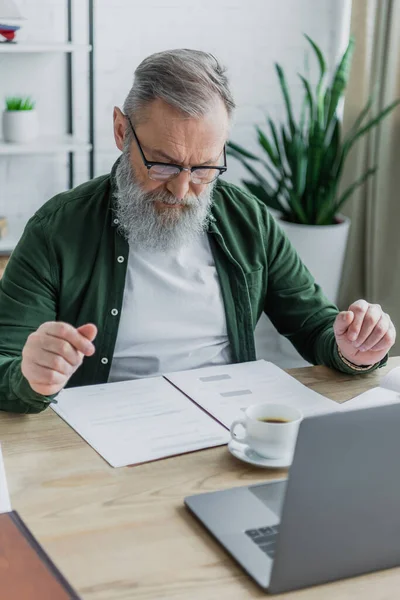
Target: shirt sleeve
297 306
27 299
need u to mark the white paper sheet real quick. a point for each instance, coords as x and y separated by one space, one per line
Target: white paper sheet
132 422
5 504
388 392
376 397
225 391
391 381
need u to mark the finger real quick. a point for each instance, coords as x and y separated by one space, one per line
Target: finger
61 348
378 332
359 309
88 330
342 322
387 341
53 362
66 332
370 321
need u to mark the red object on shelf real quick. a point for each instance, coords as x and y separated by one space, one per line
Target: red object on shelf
9 35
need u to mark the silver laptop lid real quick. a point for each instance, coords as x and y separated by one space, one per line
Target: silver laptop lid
341 514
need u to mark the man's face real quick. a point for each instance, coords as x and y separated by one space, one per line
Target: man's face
169 212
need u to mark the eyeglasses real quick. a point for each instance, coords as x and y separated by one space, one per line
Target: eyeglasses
159 171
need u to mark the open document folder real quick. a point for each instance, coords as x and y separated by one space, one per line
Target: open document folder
132 422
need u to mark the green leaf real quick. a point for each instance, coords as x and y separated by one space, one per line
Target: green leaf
303 114
327 100
258 177
286 96
340 80
232 146
309 96
319 90
275 137
351 189
321 60
297 209
264 142
362 115
240 157
328 215
261 194
353 138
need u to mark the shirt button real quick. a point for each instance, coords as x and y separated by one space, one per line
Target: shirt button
114 312
120 259
104 360
116 221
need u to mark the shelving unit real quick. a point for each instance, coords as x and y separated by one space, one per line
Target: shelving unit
11 48
68 143
46 145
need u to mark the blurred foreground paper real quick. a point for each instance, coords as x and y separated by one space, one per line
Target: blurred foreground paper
5 505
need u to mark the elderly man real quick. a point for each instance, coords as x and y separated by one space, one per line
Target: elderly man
161 265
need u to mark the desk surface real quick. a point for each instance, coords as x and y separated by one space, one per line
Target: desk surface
123 533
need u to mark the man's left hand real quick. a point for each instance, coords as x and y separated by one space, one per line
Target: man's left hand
364 333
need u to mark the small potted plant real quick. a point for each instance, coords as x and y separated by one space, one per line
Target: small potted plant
20 121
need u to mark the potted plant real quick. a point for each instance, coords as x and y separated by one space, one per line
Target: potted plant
20 121
300 172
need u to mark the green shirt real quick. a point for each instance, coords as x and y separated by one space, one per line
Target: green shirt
70 265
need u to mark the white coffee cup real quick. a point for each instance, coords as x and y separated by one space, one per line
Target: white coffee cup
269 439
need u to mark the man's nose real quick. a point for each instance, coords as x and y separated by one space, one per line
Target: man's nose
179 187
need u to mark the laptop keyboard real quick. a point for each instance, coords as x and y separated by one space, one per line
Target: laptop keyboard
265 538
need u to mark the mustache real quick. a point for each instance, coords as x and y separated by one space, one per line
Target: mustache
168 198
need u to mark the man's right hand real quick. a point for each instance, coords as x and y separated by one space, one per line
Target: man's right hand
53 353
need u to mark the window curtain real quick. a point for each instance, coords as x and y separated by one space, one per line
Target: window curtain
372 265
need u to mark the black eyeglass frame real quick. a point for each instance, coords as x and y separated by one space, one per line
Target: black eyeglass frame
149 163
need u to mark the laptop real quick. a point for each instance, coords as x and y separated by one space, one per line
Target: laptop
337 515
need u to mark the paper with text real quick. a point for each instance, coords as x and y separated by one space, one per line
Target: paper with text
138 421
224 391
5 504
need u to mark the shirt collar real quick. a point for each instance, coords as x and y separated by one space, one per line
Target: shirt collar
113 191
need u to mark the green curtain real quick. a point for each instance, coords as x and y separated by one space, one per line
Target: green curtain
372 265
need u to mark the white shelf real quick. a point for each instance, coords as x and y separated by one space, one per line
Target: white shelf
28 47
45 145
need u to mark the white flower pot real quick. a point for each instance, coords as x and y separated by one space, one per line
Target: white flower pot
20 126
322 249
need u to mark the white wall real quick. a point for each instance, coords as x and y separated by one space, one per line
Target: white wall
247 35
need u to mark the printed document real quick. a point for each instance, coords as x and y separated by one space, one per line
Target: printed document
131 422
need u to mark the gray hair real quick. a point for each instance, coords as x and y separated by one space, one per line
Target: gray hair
188 80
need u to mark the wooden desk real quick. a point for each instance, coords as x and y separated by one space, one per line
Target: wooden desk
123 533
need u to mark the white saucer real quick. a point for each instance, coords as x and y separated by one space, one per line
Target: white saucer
243 452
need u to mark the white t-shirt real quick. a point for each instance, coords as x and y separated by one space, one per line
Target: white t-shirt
173 317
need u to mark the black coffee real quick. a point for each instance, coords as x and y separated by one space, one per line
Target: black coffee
272 420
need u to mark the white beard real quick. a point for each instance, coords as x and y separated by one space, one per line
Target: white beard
146 228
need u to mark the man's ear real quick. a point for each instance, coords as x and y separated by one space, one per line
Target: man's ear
119 127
